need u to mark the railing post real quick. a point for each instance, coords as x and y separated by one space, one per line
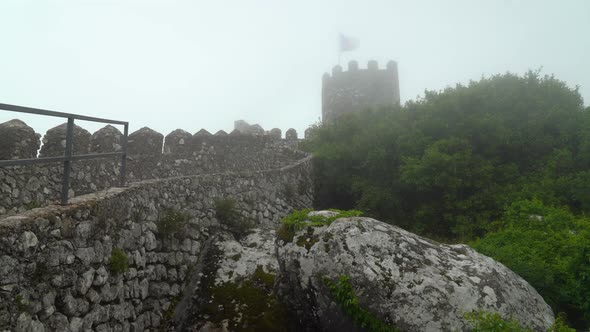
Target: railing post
124 157
65 188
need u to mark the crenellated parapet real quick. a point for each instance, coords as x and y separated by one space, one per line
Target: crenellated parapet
150 156
358 89
120 259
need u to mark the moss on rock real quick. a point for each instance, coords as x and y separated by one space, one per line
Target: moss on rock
248 305
301 218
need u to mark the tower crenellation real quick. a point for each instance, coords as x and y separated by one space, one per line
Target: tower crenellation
357 89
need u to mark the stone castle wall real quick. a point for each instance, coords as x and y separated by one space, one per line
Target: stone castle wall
358 89
149 157
54 261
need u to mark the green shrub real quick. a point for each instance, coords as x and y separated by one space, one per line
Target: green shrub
549 248
118 263
171 223
483 321
560 326
225 210
344 296
168 314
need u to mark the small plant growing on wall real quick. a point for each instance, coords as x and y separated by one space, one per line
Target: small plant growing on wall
118 263
21 304
229 216
225 210
171 222
32 205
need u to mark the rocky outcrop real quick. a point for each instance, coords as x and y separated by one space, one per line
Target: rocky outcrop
402 279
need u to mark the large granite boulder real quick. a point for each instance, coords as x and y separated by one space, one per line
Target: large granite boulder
405 280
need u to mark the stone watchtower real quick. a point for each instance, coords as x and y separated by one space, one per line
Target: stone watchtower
358 89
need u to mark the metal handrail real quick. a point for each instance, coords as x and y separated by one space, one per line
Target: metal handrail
68 157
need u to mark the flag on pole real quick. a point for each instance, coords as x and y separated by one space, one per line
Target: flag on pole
348 43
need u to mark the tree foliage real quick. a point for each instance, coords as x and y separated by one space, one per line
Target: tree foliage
452 161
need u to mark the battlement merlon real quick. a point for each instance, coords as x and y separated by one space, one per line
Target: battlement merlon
353 67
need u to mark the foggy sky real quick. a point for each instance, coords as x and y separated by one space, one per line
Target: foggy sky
203 64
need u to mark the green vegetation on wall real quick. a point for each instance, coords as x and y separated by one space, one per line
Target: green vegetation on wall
118 263
171 222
